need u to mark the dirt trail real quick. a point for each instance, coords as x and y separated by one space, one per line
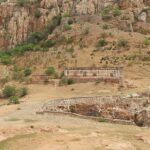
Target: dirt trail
21 128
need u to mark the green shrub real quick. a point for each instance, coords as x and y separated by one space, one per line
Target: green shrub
52 25
14 100
66 14
123 43
70 81
2 1
37 13
21 49
21 2
27 71
66 81
105 27
110 11
23 92
101 43
48 43
9 91
50 71
5 58
146 41
70 21
67 27
116 11
35 37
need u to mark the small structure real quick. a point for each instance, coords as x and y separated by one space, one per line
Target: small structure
111 74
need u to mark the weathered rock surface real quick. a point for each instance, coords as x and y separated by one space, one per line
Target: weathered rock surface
17 22
110 108
142 118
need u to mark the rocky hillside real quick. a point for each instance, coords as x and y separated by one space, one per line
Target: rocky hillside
59 33
19 19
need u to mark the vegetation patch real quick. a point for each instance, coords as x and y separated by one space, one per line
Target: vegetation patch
110 11
123 43
66 81
101 43
13 94
67 27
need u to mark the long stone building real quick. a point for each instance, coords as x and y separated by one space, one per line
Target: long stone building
113 74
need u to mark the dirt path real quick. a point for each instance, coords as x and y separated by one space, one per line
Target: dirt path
28 131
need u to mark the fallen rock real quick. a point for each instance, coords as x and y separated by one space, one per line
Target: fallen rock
142 118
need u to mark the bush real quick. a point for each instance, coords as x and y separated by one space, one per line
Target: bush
14 100
23 92
9 91
37 14
66 14
35 37
27 71
123 43
21 2
146 41
101 43
53 24
50 71
5 58
21 49
2 1
48 43
110 11
67 27
105 27
66 81
116 11
70 21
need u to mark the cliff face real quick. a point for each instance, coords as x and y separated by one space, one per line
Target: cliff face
17 22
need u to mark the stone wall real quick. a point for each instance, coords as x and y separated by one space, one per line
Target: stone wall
108 107
104 74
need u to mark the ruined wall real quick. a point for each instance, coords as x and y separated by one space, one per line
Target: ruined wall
94 74
109 107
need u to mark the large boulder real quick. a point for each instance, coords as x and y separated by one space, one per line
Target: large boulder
142 118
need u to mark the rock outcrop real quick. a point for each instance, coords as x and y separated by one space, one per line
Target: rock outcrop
142 118
17 21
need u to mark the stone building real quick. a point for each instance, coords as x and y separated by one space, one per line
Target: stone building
112 74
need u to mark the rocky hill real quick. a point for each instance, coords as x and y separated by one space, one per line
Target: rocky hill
19 19
60 32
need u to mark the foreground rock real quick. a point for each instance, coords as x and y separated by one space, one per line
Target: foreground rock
142 118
